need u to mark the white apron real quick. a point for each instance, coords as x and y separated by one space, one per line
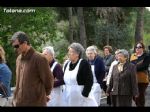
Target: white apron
96 89
56 93
72 93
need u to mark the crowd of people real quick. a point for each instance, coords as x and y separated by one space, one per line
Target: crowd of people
42 81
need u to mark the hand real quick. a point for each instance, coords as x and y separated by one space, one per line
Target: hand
47 98
13 102
107 94
136 96
55 79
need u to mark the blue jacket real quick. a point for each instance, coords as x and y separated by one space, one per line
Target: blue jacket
5 76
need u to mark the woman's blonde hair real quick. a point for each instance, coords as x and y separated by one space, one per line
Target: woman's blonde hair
2 55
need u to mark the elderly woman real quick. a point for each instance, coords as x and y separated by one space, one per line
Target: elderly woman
108 59
142 60
56 69
5 74
98 70
123 83
78 78
111 67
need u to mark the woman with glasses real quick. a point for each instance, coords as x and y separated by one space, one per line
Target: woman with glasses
141 59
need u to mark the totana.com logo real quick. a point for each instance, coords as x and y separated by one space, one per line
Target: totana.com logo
11 10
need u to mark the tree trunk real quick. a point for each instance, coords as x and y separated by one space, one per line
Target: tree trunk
139 25
83 38
70 24
108 33
107 40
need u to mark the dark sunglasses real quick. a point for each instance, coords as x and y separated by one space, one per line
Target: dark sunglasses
16 46
139 47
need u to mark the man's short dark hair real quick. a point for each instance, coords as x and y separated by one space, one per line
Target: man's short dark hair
21 36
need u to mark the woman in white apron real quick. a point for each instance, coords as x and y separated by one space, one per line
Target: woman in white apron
98 71
96 90
56 69
78 79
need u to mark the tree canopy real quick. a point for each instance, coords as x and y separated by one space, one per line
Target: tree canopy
60 26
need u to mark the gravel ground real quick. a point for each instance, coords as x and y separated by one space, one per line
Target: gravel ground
147 99
103 99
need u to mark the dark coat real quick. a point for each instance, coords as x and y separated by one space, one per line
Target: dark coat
107 61
84 75
125 82
99 69
34 79
58 74
142 62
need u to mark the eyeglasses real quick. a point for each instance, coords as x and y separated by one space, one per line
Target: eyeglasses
139 47
16 46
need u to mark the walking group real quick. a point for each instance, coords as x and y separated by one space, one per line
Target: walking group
80 81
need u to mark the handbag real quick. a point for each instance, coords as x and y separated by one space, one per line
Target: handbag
142 77
3 90
4 99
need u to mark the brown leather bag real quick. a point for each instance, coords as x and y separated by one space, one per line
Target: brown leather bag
143 77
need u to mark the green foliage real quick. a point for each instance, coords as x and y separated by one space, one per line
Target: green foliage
147 28
147 39
39 25
63 13
5 43
109 26
49 26
147 21
115 34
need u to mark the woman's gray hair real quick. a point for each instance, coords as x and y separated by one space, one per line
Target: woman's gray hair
92 48
50 50
78 48
124 52
117 51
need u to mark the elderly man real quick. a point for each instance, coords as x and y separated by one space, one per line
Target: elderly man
34 80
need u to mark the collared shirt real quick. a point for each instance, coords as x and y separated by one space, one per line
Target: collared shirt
120 67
